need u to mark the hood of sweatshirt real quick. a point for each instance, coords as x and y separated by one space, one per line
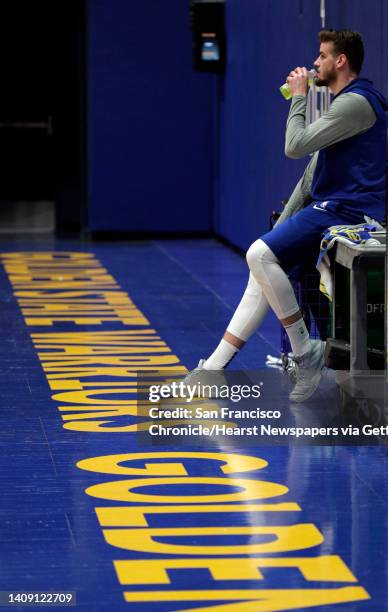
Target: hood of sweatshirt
365 85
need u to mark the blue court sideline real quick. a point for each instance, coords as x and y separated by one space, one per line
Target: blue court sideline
53 539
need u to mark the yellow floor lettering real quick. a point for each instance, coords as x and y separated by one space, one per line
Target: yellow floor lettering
328 568
231 463
122 490
285 539
254 600
135 516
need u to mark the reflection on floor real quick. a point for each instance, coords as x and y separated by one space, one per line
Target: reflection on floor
90 508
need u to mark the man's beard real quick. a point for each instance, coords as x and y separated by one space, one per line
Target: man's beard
330 77
320 82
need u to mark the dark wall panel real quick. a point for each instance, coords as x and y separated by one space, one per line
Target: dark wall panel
150 120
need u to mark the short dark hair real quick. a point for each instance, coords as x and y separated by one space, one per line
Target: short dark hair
347 42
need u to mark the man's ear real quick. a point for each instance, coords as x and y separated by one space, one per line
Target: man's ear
341 60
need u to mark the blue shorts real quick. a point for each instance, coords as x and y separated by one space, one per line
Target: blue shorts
297 240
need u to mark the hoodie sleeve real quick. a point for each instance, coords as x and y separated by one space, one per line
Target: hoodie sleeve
301 196
348 115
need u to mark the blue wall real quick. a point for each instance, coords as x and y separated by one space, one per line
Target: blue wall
150 120
370 17
266 38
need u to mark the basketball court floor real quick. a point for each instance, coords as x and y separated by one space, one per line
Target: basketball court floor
89 509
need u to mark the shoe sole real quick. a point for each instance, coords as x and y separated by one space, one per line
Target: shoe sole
315 382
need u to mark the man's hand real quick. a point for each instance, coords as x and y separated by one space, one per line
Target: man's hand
298 81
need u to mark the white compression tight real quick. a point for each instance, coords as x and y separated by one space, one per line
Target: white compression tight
265 268
267 285
253 307
250 312
247 317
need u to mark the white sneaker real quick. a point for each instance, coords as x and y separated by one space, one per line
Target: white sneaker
308 372
199 376
195 376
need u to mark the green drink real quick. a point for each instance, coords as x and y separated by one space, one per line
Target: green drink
285 89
